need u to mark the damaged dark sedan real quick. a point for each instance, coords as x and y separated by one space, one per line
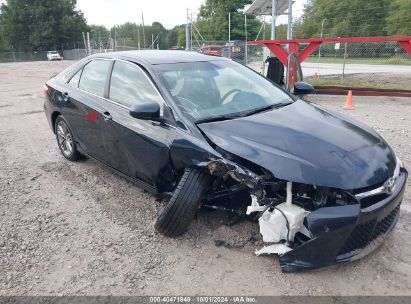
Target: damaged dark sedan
208 132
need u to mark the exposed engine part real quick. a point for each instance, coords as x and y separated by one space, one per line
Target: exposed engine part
289 193
220 208
226 169
321 199
312 197
255 206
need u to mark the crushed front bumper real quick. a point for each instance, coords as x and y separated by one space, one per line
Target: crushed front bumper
345 233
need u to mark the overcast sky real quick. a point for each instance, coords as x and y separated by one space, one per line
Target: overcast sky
167 12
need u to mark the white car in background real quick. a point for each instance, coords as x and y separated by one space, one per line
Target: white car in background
53 55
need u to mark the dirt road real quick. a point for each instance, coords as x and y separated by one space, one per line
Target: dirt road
79 229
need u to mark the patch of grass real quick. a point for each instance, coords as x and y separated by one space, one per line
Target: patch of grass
358 83
383 61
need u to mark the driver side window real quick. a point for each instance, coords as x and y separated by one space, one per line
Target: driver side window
130 85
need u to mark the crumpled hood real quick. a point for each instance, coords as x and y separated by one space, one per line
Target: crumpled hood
305 143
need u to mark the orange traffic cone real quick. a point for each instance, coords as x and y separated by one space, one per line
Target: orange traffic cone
348 101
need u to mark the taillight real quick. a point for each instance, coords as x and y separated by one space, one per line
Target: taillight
45 89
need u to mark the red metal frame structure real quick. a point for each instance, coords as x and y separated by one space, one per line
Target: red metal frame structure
275 45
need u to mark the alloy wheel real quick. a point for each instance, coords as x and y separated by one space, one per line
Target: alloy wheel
64 138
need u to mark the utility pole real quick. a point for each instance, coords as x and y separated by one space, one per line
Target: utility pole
246 46
138 37
144 34
191 30
84 40
115 39
229 27
263 27
265 52
319 49
188 32
99 40
88 43
152 41
273 17
345 57
290 20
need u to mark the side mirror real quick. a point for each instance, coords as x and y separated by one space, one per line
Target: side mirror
148 111
303 88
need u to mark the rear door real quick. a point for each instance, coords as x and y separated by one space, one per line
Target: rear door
138 148
85 106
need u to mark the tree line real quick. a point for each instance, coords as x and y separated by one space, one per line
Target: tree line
39 25
350 18
35 25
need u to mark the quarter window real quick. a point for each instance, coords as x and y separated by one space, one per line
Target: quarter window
75 79
130 86
93 79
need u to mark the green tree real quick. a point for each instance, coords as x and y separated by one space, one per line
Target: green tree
181 39
398 21
99 32
213 20
160 31
132 35
41 24
129 34
344 18
172 35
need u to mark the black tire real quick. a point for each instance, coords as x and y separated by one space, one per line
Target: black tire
71 154
183 204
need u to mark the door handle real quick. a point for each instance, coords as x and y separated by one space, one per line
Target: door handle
106 116
66 96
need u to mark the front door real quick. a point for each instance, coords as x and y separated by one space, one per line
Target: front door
138 148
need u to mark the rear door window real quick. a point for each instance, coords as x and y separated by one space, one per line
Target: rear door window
94 76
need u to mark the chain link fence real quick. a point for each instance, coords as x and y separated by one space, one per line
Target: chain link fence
69 54
22 56
239 51
383 65
375 65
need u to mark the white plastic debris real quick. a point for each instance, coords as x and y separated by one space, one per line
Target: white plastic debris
255 206
279 249
274 226
305 231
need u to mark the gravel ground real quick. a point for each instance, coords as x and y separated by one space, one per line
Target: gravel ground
79 229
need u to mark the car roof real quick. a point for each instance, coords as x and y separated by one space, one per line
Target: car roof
155 57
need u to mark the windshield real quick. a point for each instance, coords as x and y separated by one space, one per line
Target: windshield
219 89
53 52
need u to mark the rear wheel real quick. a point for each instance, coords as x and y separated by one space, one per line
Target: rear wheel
184 203
65 140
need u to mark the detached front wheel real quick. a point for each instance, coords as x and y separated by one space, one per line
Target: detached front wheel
184 203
